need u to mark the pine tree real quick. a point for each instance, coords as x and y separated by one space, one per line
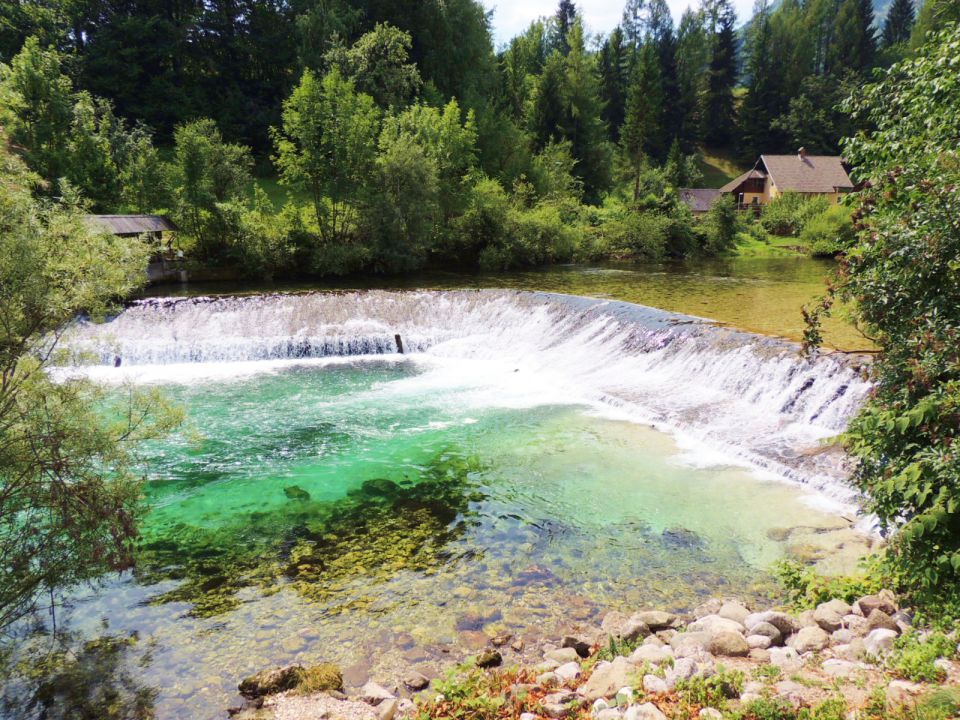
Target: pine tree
760 104
852 43
719 111
633 23
548 115
662 36
899 23
565 17
692 58
614 77
642 133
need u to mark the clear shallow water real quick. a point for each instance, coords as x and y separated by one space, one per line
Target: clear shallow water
332 500
374 514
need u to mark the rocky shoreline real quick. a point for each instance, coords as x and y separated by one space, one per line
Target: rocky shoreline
642 666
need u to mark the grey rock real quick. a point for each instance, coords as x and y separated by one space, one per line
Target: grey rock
415 681
841 637
609 714
880 601
581 646
373 693
646 711
809 639
607 678
785 658
828 618
728 644
901 693
617 625
835 667
685 643
761 642
759 655
879 642
655 619
598 705
710 607
654 684
857 624
387 710
732 610
879 619
562 655
548 679
786 624
714 624
767 630
568 671
650 654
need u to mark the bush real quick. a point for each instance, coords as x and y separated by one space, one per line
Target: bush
806 589
828 233
533 237
789 213
913 656
721 227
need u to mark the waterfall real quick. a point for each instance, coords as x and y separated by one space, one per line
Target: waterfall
753 398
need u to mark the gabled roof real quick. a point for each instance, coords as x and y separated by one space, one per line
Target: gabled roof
754 174
807 173
134 224
699 199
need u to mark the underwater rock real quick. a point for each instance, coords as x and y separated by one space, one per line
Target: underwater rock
380 487
682 538
295 492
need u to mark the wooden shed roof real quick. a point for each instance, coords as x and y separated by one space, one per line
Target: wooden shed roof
134 224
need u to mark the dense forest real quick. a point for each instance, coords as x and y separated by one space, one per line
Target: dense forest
401 138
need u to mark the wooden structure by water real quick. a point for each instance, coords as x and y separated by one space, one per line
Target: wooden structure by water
165 265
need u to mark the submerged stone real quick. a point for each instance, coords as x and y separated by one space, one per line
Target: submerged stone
295 492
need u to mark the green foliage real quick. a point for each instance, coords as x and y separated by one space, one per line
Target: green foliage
67 455
828 233
208 178
806 588
902 274
328 149
914 654
721 226
789 213
378 64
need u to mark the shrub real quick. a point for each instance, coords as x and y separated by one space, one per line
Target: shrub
806 588
914 655
788 214
828 233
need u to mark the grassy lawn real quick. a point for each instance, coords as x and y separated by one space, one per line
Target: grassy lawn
277 193
718 167
771 246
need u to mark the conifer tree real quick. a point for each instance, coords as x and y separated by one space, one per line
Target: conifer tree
614 64
899 23
719 110
760 103
565 17
641 132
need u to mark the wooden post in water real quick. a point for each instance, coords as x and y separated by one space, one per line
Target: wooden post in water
399 343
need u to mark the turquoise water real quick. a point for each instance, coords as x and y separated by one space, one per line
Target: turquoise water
389 513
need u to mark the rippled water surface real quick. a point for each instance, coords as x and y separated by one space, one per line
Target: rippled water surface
763 295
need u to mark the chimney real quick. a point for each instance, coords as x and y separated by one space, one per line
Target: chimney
802 154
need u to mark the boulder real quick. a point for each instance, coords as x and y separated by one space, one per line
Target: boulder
620 627
759 655
732 610
562 655
388 709
646 711
786 624
548 679
684 644
654 684
857 624
828 618
568 671
416 682
835 667
607 678
880 601
785 658
841 637
655 619
374 694
853 651
710 607
901 693
714 624
489 659
879 619
879 642
728 644
809 639
269 682
758 641
580 646
767 630
650 654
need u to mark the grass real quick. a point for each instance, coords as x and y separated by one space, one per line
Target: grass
718 167
748 245
277 193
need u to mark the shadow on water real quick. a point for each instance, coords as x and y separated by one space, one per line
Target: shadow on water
380 529
58 677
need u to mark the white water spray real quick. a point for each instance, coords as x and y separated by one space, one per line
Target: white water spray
754 399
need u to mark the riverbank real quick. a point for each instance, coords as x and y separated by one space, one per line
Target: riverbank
859 659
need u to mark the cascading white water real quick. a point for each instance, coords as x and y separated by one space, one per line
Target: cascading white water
753 398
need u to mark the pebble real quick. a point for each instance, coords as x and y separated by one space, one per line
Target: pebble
568 671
